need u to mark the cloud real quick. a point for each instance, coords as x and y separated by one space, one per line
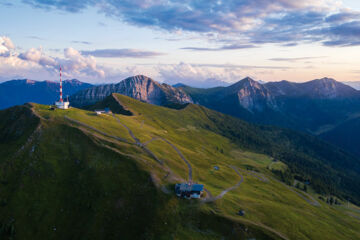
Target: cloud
102 24
344 16
195 76
293 59
82 42
7 4
66 5
208 75
37 56
250 21
77 63
6 45
226 47
73 63
121 53
35 37
345 34
236 66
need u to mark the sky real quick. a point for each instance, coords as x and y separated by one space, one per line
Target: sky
196 42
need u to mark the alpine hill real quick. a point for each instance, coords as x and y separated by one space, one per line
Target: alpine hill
72 174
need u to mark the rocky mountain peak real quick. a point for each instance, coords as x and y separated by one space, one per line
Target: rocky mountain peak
251 94
139 87
328 88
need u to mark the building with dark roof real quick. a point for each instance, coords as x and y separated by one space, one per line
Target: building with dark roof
189 190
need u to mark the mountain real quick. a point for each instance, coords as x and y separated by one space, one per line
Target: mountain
354 84
325 88
345 135
72 174
17 92
139 87
193 82
312 107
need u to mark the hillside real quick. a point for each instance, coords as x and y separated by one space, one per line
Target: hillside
346 135
139 87
75 175
354 84
312 107
17 92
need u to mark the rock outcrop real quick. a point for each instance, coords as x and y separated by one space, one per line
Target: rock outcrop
139 87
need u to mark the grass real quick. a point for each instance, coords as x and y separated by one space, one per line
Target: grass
90 186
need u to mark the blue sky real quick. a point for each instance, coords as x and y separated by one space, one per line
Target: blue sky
199 42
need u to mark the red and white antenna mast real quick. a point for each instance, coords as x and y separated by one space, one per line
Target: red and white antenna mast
61 99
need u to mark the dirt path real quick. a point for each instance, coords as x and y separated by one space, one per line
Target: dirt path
222 194
178 152
151 140
181 156
309 199
137 141
259 176
96 130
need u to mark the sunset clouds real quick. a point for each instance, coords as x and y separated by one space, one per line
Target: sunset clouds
245 21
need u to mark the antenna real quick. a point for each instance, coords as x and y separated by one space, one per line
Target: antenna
61 99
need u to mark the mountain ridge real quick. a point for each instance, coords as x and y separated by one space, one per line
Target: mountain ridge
90 177
139 87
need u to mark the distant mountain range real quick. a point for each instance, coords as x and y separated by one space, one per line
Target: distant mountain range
355 84
17 92
139 87
322 107
316 107
308 106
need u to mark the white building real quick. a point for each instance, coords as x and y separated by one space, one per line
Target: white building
62 105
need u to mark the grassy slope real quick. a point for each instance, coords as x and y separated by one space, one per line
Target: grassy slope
346 135
98 193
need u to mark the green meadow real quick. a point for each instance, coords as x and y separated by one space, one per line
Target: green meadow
75 180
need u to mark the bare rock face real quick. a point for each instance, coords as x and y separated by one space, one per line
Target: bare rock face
138 87
251 95
254 96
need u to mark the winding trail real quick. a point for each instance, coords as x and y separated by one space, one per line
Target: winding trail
222 194
259 176
178 152
181 156
309 199
137 141
151 140
97 130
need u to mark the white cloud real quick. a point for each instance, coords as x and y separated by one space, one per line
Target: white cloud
36 62
198 76
6 46
76 63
